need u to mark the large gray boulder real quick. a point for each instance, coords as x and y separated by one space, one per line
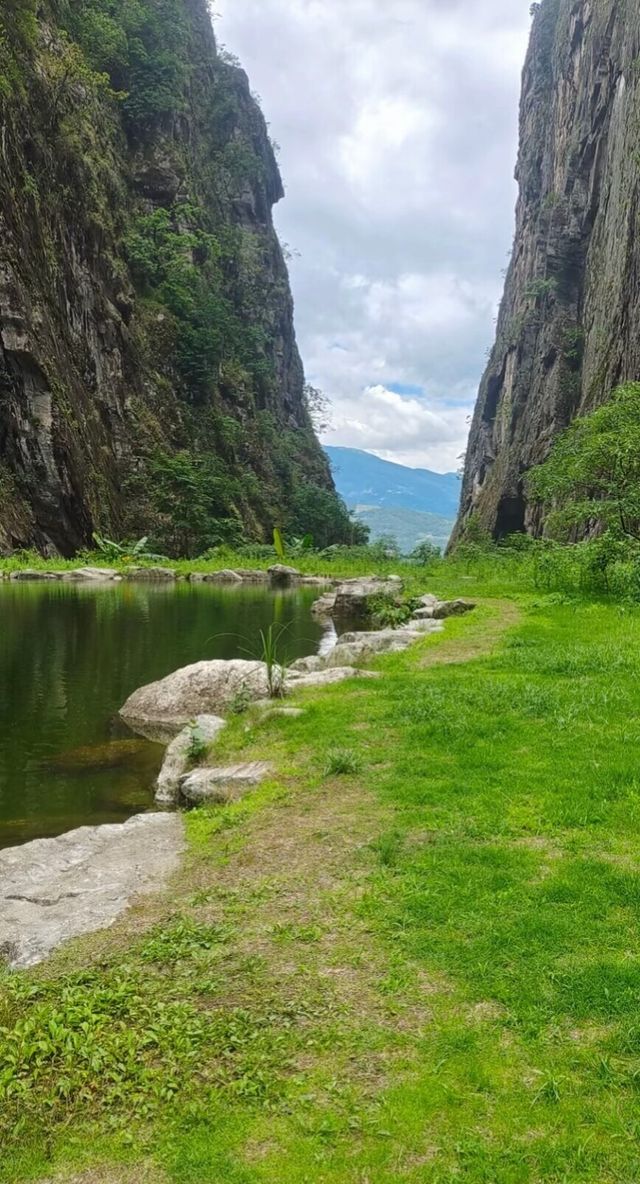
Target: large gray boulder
92 575
162 709
176 763
354 598
223 785
54 889
226 576
158 575
281 575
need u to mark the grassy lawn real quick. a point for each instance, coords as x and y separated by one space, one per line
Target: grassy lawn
422 969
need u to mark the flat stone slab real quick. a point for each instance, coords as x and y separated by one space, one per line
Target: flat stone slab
52 890
223 785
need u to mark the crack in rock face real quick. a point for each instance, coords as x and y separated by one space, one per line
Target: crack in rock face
52 890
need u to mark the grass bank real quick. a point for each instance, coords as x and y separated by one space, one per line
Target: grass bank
411 956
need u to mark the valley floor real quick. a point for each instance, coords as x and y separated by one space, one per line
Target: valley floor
412 956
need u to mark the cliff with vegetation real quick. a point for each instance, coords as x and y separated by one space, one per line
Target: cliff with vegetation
149 376
568 329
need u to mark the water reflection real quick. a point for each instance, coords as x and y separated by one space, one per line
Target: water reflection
71 655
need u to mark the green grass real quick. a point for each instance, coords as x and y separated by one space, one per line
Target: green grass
416 964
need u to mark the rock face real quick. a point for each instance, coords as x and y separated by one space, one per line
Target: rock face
147 353
54 889
568 326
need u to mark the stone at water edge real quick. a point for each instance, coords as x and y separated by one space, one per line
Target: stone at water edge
159 574
97 575
176 761
223 785
307 665
354 597
164 708
54 889
226 576
281 575
28 575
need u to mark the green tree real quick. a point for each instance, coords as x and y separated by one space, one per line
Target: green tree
591 481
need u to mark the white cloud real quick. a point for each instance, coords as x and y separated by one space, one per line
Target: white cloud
400 428
398 129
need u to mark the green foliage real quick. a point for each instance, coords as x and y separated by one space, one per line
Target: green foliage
425 553
592 478
112 550
388 611
319 512
193 498
278 543
272 655
141 45
197 747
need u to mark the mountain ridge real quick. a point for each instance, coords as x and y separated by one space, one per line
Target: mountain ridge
362 478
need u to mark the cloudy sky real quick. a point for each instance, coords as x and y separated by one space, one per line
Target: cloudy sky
397 126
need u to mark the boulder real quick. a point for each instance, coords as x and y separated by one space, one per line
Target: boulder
28 575
307 665
91 575
162 709
324 606
359 647
453 608
281 575
424 614
324 678
54 889
226 576
223 785
159 574
176 761
429 601
353 599
253 575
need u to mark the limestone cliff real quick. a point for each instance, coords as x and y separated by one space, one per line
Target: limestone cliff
149 375
569 324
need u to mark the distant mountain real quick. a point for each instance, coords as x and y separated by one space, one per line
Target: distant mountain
364 480
408 527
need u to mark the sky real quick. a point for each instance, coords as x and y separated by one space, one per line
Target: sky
397 133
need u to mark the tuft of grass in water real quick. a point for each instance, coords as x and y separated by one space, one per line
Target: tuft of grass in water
342 762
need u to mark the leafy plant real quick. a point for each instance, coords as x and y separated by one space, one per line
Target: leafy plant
240 702
197 747
274 660
113 550
278 542
342 762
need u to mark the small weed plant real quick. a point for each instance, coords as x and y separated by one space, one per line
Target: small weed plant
342 762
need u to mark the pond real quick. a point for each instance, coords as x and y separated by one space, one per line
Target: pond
71 655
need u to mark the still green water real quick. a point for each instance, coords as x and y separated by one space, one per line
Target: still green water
70 656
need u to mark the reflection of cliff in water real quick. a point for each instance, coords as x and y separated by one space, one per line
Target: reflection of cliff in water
70 656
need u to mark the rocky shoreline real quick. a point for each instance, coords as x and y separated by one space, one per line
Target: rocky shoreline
52 890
